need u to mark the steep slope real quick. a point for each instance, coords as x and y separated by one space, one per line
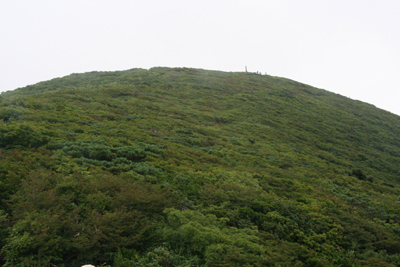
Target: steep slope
194 167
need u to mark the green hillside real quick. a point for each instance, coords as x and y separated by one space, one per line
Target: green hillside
189 167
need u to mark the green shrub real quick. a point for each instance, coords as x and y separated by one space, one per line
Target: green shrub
22 136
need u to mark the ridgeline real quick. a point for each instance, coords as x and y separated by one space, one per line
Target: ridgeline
190 167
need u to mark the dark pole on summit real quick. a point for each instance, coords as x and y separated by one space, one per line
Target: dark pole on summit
245 67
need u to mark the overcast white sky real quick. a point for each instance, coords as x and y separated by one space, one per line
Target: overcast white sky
350 47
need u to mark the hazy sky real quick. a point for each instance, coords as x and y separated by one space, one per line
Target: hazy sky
350 47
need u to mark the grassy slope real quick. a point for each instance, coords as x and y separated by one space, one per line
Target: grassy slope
221 133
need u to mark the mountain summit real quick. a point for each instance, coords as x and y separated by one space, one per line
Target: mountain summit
191 167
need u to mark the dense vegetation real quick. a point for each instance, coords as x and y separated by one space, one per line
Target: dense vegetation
188 167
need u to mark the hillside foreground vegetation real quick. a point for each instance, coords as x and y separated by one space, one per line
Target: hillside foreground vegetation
189 167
